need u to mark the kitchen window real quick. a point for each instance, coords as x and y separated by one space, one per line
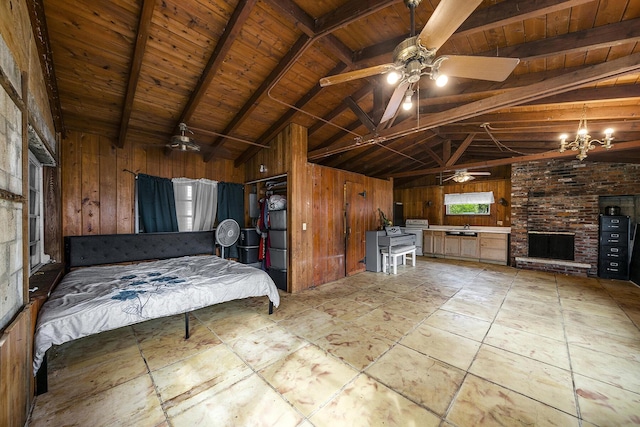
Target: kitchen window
469 203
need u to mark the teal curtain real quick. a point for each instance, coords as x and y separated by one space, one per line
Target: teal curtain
231 205
156 204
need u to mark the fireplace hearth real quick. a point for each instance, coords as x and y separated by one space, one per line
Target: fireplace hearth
550 245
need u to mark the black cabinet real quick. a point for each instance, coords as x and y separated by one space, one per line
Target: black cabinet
613 260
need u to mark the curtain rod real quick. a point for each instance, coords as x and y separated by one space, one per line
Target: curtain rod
265 179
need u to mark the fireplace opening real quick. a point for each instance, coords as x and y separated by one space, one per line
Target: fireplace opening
551 245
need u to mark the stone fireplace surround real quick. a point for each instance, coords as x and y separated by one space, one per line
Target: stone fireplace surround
563 196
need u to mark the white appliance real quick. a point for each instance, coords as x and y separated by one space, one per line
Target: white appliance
415 226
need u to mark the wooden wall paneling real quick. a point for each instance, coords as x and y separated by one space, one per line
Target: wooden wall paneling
90 184
15 370
178 168
334 199
139 160
125 188
71 155
108 192
415 200
154 158
300 214
318 248
165 168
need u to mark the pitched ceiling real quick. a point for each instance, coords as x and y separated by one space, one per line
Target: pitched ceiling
237 72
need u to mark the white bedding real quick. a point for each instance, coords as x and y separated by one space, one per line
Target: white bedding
96 299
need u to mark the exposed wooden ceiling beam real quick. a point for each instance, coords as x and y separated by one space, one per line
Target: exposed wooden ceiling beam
553 86
282 122
361 115
461 149
622 146
288 61
142 35
43 45
605 36
345 14
231 31
549 87
497 15
509 12
285 64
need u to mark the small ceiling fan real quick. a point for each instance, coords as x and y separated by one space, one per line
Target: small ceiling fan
416 56
462 175
183 142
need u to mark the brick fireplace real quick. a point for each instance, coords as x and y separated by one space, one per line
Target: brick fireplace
563 197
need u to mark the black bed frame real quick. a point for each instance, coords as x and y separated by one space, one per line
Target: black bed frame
84 251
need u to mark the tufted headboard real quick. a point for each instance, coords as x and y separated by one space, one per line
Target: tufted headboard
82 251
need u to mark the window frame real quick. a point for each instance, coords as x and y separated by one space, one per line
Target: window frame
478 206
35 214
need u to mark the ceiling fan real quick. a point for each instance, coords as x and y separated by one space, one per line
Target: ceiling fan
183 142
416 56
462 175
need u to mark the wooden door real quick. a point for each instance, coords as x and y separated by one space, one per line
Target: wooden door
355 204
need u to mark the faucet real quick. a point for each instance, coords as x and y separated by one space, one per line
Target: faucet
466 226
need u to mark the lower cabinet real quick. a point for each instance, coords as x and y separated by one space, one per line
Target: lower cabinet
433 243
494 248
469 247
485 247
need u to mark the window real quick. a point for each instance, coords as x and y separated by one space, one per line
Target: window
469 203
183 194
36 220
196 203
468 209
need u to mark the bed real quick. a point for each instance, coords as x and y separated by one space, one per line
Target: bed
148 276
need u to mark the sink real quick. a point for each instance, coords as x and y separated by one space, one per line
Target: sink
454 233
469 233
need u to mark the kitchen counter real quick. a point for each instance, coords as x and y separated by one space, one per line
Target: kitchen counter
478 229
484 244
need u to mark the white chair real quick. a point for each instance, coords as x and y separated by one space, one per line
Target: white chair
397 252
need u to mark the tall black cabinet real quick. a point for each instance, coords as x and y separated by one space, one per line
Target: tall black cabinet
613 260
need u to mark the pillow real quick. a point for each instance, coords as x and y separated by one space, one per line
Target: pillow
393 231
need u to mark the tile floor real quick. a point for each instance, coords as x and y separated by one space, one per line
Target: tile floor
444 343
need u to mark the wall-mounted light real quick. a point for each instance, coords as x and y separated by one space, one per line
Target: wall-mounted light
502 201
263 168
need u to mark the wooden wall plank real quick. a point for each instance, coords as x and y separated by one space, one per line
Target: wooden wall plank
90 184
108 193
71 184
125 191
15 370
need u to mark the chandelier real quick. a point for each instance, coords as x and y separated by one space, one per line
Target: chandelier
583 142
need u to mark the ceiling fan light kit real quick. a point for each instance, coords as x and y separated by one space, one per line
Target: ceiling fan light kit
415 57
183 142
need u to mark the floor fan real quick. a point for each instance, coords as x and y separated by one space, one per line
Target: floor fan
227 234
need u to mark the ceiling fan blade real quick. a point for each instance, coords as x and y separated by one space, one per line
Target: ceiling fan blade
445 20
395 101
357 74
479 173
491 68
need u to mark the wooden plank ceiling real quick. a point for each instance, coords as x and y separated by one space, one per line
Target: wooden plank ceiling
238 71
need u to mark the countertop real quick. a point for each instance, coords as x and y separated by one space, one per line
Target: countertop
479 229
